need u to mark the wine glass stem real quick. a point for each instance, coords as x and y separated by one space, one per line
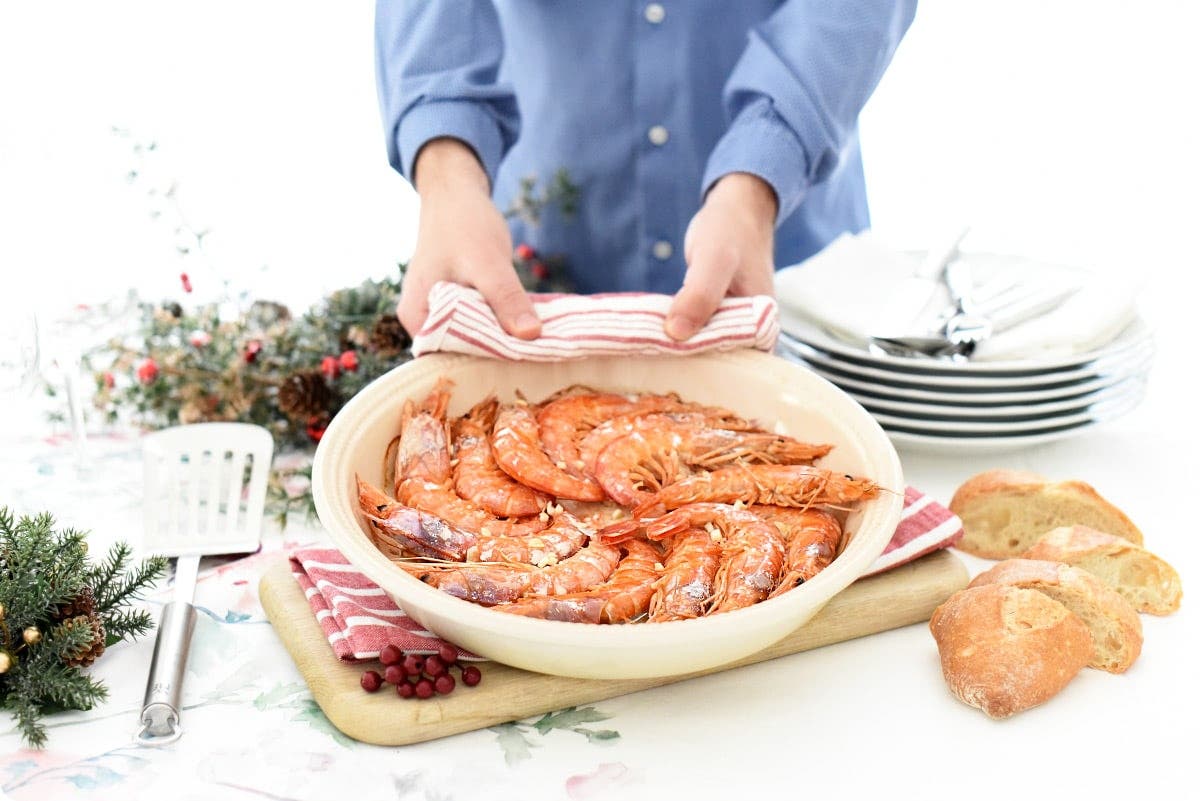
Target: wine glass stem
71 379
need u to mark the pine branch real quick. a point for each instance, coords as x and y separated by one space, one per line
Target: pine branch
28 715
65 687
102 575
131 585
118 625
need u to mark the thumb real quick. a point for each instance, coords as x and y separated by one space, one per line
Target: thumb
413 307
504 293
704 286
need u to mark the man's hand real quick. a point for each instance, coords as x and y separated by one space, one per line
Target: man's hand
729 248
462 237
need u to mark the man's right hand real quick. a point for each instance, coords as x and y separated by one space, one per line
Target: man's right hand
462 237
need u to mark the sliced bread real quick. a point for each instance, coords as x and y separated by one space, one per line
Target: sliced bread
1143 579
1005 511
1005 649
1115 626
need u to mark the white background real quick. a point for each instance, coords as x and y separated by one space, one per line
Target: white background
1064 131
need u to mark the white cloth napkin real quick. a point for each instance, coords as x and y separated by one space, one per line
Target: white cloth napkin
858 287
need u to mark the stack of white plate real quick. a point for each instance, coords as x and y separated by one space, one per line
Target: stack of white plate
941 405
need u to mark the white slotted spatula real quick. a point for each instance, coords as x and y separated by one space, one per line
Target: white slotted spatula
206 485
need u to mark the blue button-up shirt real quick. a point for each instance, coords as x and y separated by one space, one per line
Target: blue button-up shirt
646 105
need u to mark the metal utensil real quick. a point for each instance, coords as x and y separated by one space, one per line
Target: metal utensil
206 486
1005 310
968 327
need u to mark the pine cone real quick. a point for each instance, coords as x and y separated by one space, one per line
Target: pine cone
304 395
265 313
82 604
93 650
388 337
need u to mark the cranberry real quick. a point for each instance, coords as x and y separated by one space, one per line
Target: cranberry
423 688
444 684
405 689
390 655
434 666
370 681
413 665
394 674
471 675
448 653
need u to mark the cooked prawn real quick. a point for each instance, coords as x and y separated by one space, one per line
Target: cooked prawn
423 451
564 419
490 584
478 479
686 587
625 596
423 530
752 550
600 437
518 452
812 537
772 484
654 456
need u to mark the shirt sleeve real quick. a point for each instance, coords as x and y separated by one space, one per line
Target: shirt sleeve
437 64
794 97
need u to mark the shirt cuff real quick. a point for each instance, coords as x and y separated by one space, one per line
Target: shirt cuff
459 119
760 143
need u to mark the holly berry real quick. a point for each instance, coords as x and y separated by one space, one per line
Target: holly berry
147 371
448 653
405 689
316 428
423 688
471 675
348 361
390 655
253 348
540 271
413 664
187 282
394 674
371 681
444 684
434 666
200 339
524 252
329 366
109 381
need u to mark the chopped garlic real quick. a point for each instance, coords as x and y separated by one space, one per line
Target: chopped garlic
545 518
484 531
560 464
535 542
659 566
739 504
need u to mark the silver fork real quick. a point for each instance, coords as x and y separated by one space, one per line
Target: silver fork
967 327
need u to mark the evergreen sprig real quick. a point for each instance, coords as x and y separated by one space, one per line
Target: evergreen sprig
43 572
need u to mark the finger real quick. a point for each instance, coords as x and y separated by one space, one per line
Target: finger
413 306
758 280
704 285
504 293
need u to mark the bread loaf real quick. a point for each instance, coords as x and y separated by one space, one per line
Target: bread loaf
1005 649
1147 582
1114 624
1005 511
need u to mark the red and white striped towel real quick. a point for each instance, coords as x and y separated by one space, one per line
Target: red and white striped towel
578 326
359 618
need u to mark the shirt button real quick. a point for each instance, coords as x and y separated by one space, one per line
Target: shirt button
655 13
658 135
662 250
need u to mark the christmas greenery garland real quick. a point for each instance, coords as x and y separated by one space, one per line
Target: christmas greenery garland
58 612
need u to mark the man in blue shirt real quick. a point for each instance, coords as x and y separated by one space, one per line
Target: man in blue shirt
711 139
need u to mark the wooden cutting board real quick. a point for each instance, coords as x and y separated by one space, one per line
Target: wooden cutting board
902 596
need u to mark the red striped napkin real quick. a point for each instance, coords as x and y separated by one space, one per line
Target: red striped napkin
359 618
578 326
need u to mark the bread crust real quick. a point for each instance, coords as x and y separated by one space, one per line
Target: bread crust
1005 649
1114 624
1005 511
1148 582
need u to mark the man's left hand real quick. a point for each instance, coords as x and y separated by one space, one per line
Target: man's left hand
730 250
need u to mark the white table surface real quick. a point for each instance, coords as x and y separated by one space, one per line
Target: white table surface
871 717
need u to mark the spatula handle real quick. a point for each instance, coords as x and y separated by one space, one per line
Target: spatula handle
164 687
